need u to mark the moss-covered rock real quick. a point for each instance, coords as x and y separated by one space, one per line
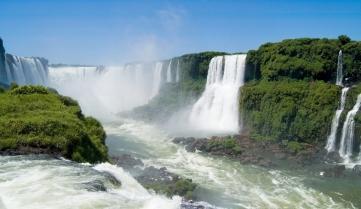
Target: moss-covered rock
34 119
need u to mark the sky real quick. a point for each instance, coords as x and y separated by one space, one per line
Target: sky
112 32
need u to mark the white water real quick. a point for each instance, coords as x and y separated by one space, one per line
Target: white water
347 137
178 72
25 70
169 72
112 90
339 69
157 78
217 109
332 138
224 183
41 183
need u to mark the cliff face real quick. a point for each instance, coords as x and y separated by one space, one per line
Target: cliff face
293 95
288 110
175 95
3 76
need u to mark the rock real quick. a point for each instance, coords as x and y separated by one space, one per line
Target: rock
334 171
126 161
158 179
95 186
3 75
357 170
248 151
333 157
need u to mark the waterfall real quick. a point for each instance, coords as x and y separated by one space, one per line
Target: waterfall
347 137
178 72
169 72
339 69
26 70
217 108
157 78
331 140
114 88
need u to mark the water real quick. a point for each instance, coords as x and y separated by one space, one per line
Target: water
178 72
347 136
157 78
217 108
223 183
332 138
169 72
111 90
39 182
339 69
25 70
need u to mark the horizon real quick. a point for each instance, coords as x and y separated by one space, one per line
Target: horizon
113 32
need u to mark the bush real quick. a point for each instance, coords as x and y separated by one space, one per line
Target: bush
18 90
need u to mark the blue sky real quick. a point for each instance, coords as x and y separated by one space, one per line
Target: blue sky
118 31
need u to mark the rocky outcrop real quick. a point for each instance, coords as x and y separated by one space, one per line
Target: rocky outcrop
248 151
2 64
36 120
158 179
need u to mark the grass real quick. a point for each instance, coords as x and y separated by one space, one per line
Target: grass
39 118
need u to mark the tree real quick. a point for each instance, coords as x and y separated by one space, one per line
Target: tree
344 39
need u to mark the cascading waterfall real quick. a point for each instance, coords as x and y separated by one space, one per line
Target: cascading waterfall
157 78
178 72
169 72
108 89
217 109
347 137
331 140
25 70
339 69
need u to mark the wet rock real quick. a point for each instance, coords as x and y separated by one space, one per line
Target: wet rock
357 170
158 179
126 161
333 157
95 186
195 205
334 171
112 179
248 151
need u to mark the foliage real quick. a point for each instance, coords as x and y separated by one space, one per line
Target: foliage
181 187
289 110
306 58
226 144
34 117
295 146
343 39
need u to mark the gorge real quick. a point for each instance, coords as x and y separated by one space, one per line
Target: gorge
298 94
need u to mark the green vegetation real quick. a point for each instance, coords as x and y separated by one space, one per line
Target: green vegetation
173 96
306 58
292 96
295 146
194 72
289 110
34 119
229 144
181 187
169 99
